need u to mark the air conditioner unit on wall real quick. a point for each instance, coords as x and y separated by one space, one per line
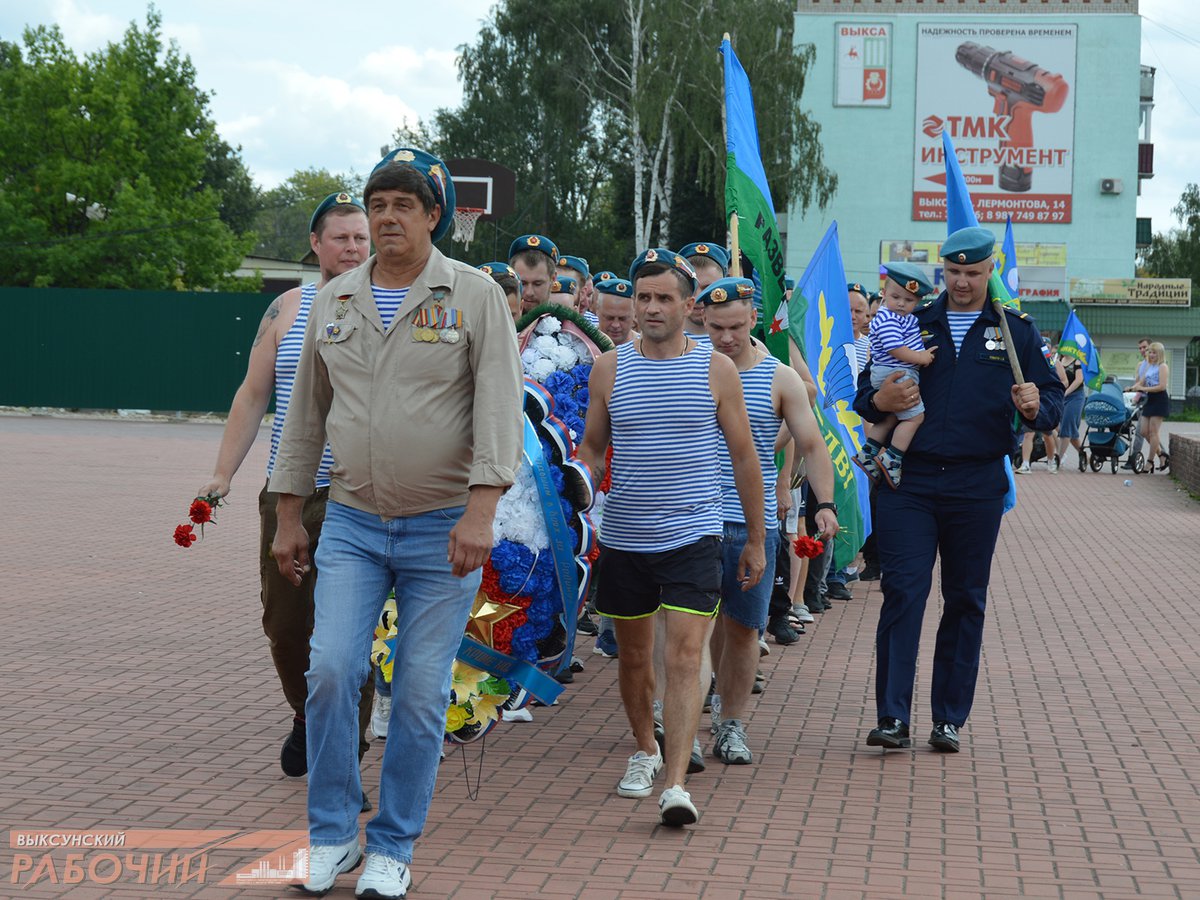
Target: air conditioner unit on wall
1111 185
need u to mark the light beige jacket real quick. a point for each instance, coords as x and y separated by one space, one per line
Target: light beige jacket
412 423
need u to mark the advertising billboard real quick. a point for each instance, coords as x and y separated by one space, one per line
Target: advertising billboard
1132 291
863 76
1005 92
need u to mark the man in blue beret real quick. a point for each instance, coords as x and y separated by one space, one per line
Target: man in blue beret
410 367
506 276
563 291
711 261
614 309
577 268
951 498
535 259
661 532
774 394
339 237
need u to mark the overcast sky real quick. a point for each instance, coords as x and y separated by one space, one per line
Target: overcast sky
301 84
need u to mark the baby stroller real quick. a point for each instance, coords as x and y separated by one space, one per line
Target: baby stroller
1111 426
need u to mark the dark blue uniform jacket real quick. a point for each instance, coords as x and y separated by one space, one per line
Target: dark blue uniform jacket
969 414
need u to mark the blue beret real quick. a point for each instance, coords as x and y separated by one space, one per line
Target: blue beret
856 287
606 275
341 198
725 289
435 173
969 245
875 296
564 284
667 258
536 242
910 277
789 283
715 252
618 287
578 263
496 269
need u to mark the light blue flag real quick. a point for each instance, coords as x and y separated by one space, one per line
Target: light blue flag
1077 344
1008 263
961 214
819 316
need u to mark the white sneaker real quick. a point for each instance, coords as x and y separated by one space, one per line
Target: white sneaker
1052 465
383 877
803 615
381 711
326 863
1023 469
763 649
675 807
639 775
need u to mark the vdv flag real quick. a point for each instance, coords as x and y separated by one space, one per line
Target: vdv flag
820 314
961 214
1007 264
748 194
1077 344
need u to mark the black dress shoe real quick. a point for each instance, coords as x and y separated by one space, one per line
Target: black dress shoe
944 737
293 756
869 573
839 592
891 734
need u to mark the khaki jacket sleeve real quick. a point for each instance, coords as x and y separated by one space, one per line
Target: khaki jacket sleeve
303 439
499 382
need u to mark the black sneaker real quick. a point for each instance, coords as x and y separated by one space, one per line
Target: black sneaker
585 625
782 631
870 572
293 757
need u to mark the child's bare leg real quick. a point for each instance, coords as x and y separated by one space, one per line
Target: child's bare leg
905 431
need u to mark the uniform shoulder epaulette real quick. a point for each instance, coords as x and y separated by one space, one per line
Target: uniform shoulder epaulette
1013 311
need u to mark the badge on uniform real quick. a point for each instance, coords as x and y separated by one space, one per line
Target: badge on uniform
438 324
993 338
332 330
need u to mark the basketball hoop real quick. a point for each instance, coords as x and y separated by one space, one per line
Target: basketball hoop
465 218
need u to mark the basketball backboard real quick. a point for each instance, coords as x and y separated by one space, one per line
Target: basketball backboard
482 184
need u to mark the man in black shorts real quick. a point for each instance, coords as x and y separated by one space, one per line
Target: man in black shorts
660 537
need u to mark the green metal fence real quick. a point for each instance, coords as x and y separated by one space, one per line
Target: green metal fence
157 350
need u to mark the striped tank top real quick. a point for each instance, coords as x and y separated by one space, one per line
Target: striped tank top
287 358
764 427
665 475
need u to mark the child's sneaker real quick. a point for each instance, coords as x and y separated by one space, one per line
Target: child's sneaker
867 459
889 467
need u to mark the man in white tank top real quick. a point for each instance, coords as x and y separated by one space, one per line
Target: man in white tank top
660 537
338 236
774 394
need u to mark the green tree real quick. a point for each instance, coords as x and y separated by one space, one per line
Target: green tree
113 173
1176 253
612 120
282 223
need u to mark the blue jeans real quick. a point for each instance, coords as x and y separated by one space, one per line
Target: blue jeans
361 558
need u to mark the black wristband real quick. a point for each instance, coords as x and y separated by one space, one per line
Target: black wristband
828 505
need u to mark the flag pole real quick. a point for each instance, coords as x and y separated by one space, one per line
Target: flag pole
1013 362
735 259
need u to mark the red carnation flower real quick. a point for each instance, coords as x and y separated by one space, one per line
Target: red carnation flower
808 548
184 536
200 512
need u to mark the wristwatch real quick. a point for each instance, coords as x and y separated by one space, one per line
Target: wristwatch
829 505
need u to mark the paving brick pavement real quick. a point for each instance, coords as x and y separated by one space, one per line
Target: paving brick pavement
138 693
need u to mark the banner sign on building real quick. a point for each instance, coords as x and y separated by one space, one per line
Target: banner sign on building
1132 291
1043 266
1006 94
863 76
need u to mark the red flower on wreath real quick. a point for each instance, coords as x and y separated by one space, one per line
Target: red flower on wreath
184 536
808 548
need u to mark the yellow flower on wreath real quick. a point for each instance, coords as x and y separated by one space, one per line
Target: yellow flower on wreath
456 718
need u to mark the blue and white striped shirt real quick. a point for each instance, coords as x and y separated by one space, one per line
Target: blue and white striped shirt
387 301
764 427
665 473
287 357
890 330
960 323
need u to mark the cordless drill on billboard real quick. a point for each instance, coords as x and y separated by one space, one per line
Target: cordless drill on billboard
1019 88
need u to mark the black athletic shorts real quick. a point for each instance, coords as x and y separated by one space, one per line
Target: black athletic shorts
634 585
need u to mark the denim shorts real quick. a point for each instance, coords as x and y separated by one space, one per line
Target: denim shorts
880 373
750 607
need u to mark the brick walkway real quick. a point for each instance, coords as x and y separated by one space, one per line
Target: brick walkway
139 694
